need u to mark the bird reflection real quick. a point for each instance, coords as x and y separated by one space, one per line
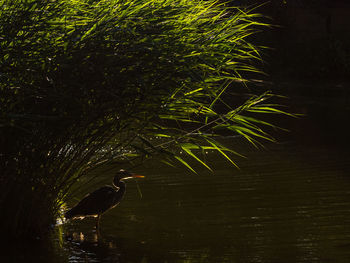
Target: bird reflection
78 237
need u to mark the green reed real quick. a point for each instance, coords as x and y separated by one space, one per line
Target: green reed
87 83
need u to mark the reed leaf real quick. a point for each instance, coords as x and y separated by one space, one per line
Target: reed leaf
85 84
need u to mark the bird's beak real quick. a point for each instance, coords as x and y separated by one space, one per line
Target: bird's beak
133 176
137 176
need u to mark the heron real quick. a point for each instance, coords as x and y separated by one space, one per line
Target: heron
103 199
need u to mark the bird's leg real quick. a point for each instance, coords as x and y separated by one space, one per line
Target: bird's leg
98 224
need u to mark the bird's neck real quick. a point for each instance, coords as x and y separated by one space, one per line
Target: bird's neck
121 185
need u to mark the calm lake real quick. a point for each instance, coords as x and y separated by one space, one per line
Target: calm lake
289 202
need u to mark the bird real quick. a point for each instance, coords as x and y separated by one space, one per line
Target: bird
103 199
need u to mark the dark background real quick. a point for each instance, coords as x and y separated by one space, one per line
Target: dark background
312 40
309 62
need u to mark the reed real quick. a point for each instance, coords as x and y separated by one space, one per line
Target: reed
87 83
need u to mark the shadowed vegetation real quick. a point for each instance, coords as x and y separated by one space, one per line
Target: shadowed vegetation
87 83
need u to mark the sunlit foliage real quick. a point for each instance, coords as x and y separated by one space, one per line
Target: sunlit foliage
85 83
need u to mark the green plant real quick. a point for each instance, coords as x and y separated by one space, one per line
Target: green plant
85 83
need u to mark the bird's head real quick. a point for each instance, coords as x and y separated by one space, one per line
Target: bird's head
124 175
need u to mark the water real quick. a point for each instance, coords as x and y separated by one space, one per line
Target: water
287 203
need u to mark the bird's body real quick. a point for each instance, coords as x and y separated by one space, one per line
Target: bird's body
101 200
97 202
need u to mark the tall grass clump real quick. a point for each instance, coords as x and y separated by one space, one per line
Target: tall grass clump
85 83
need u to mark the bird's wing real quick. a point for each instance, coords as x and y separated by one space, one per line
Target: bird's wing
94 203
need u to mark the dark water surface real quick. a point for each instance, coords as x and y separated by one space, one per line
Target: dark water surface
287 203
